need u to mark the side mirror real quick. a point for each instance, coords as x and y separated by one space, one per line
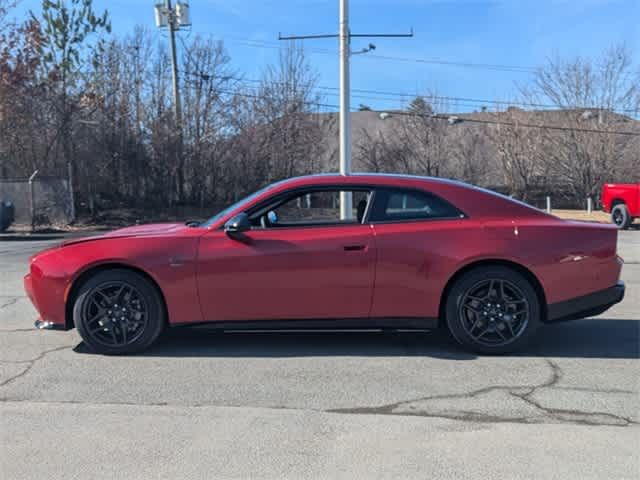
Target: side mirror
237 225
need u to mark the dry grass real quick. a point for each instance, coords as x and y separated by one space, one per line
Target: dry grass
583 215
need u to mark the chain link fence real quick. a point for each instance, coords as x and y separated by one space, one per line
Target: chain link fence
44 201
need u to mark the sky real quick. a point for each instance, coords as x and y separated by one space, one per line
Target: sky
520 33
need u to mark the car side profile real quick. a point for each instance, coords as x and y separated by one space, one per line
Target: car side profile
407 252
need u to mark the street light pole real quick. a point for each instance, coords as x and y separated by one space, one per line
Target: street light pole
345 36
346 199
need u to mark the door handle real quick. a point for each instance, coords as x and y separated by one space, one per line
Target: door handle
353 248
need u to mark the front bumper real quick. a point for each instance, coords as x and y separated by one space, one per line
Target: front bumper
587 305
38 294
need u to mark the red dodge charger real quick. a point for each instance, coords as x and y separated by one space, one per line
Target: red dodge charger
330 251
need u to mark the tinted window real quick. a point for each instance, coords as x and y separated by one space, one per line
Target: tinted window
319 207
397 205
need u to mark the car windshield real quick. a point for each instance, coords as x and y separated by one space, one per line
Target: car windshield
237 204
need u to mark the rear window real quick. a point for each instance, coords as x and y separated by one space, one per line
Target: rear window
398 205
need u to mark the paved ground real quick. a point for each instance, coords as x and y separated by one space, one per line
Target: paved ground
341 405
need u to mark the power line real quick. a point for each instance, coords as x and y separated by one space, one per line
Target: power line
259 97
467 101
519 124
428 61
459 119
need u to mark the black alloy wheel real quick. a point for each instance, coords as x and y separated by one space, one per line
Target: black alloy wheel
118 311
492 310
116 314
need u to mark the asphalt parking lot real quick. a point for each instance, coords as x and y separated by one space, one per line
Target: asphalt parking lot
320 405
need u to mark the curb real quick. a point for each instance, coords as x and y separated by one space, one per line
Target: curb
32 237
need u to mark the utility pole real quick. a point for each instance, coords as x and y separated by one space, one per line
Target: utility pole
172 25
174 18
344 34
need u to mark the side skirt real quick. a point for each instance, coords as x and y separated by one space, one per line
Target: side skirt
321 324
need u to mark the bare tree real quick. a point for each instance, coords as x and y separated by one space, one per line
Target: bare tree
471 152
520 150
596 94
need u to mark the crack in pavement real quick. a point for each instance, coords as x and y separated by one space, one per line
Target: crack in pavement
597 390
523 392
11 301
31 363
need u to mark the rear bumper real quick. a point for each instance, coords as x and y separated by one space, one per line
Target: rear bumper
587 305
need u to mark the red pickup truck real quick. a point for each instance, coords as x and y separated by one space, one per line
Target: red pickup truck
622 200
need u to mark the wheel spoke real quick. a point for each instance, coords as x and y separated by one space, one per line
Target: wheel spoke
503 296
481 334
96 317
475 324
105 297
101 328
118 293
491 287
510 328
473 309
476 299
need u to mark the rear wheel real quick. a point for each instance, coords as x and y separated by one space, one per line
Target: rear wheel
118 311
621 217
492 310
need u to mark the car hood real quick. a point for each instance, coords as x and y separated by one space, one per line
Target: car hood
134 231
150 229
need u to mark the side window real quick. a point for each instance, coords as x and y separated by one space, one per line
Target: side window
311 208
398 205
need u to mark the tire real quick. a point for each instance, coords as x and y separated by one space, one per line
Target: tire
620 216
484 320
118 311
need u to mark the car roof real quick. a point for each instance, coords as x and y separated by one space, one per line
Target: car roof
369 178
470 199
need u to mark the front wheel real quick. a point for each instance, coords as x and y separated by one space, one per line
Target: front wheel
492 310
118 311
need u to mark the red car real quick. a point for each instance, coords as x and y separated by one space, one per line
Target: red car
623 201
417 253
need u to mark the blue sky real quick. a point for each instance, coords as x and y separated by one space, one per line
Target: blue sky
506 32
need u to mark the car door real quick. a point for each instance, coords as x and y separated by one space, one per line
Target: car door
416 236
316 268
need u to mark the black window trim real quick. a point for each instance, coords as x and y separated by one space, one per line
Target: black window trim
372 189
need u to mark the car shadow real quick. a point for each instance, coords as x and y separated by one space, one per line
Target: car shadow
588 338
